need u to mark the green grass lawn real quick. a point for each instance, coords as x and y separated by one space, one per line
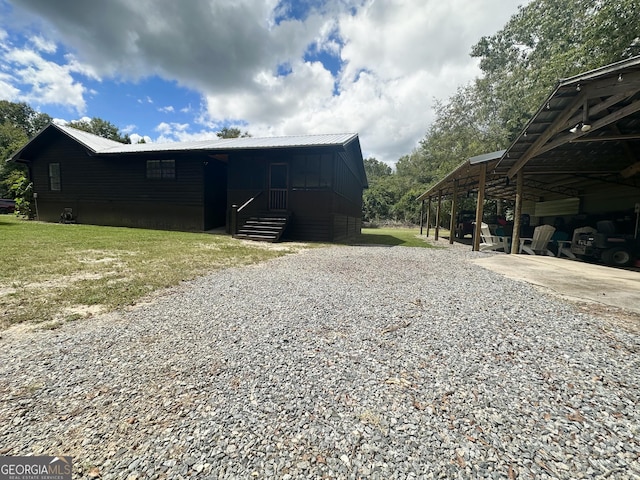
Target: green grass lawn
54 273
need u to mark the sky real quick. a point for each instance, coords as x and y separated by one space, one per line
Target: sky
168 70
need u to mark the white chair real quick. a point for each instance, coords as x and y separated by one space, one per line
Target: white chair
491 241
539 244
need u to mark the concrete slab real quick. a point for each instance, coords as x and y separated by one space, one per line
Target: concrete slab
572 279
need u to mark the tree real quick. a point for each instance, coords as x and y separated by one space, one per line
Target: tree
227 132
548 40
376 169
102 128
22 116
18 123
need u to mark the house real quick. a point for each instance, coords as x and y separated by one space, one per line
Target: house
310 185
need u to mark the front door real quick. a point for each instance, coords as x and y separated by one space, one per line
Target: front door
278 186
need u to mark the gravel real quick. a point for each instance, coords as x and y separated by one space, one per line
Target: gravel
338 362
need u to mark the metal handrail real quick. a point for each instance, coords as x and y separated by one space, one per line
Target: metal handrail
250 200
234 213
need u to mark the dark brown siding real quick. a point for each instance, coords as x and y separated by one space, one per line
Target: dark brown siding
324 192
324 196
312 217
115 191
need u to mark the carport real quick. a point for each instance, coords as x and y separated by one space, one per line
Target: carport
578 156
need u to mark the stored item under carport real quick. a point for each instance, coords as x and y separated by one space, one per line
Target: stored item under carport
606 245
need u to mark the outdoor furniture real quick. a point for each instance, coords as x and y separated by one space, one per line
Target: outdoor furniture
539 243
561 241
492 242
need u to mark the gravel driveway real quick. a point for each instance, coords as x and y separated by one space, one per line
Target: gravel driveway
339 362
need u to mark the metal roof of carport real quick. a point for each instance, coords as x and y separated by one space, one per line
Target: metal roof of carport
555 155
466 174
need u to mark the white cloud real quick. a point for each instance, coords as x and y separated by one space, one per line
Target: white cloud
171 130
43 45
27 76
135 138
167 109
128 128
396 57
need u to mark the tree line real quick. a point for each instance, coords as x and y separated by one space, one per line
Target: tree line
545 41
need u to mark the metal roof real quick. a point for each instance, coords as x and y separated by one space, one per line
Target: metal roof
238 143
89 140
101 145
465 176
560 157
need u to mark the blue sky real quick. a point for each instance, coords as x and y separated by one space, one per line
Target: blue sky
171 71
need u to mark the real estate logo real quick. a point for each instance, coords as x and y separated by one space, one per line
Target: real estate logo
35 468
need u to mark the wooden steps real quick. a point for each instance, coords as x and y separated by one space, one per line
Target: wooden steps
264 228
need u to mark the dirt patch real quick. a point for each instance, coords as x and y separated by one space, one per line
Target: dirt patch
625 319
56 282
280 247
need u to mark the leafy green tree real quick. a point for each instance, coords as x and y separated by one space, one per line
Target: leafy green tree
21 189
227 132
407 209
23 116
548 40
377 202
18 123
102 128
376 169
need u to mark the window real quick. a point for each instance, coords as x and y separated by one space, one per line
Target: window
312 171
54 177
161 169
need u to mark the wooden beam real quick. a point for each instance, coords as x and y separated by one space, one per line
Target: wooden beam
608 138
421 214
454 206
596 125
599 107
555 127
428 216
479 207
438 215
517 215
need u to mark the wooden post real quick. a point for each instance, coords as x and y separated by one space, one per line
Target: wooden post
454 208
421 215
428 216
515 239
438 215
234 219
479 207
